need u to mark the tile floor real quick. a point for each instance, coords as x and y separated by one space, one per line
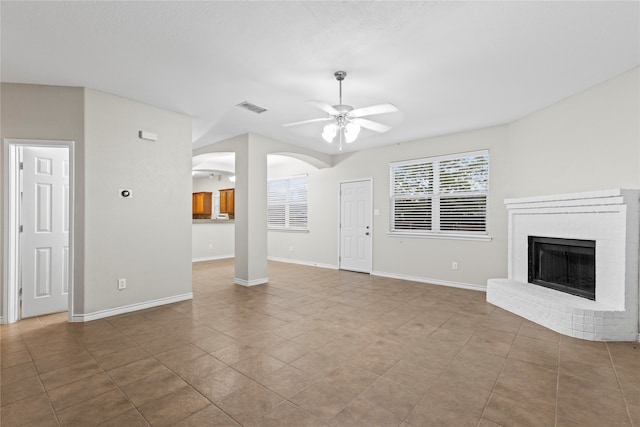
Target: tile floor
315 347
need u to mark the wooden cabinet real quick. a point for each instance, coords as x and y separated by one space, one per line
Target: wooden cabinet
201 205
227 201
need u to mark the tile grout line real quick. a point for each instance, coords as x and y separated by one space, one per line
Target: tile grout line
504 362
615 371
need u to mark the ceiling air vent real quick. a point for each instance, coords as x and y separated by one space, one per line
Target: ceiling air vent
251 107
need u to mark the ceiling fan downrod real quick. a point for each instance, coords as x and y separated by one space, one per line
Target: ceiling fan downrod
340 75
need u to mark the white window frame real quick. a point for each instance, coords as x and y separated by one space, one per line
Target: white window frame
433 193
288 202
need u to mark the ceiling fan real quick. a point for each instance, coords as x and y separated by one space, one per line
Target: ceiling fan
347 121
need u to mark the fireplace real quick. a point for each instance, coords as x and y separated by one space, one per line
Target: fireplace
566 265
555 277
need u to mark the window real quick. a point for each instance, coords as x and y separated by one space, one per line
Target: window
440 195
287 203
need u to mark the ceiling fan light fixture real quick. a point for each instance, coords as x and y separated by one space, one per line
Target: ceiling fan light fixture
329 132
351 131
347 122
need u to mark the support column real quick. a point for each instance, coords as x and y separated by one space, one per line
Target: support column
250 213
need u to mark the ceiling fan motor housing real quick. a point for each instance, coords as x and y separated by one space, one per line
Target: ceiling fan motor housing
340 75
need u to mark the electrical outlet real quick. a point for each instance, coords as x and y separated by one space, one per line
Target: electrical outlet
122 284
290 248
454 265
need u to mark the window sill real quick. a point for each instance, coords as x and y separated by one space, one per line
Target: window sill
448 236
286 230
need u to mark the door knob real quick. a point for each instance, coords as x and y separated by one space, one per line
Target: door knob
367 233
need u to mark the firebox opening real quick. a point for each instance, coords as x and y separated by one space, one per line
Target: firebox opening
566 265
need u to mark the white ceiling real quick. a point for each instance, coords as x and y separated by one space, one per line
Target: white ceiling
448 66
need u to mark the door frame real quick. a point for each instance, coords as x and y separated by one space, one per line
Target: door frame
11 223
370 254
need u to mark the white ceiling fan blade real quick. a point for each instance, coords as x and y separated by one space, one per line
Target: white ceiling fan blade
373 110
371 125
327 108
323 119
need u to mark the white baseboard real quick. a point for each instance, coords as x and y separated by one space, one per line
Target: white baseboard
300 262
471 286
253 282
213 258
130 308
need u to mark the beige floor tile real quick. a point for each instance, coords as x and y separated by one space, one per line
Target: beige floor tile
508 412
180 354
200 367
131 418
540 352
528 383
249 402
152 387
69 374
16 358
173 407
211 416
120 358
287 414
233 353
324 339
25 410
17 372
322 400
134 371
590 403
392 397
413 376
256 367
18 390
360 413
96 410
84 389
288 351
287 380
222 383
450 406
214 342
316 363
351 380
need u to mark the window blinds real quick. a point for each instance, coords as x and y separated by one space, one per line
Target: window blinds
445 194
287 203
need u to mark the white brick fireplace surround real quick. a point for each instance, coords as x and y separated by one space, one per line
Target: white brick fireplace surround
611 219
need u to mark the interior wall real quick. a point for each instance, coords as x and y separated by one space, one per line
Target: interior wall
587 142
413 258
590 141
47 112
146 238
212 185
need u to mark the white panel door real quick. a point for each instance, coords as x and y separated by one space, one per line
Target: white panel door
44 241
355 226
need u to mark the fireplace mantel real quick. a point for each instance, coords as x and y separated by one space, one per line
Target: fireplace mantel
611 219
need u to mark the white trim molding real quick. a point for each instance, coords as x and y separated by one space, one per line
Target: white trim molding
130 308
248 283
213 258
302 262
438 282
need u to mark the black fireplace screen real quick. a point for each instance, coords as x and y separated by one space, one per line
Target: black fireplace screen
567 265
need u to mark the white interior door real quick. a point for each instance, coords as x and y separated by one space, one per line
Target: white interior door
355 226
44 241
